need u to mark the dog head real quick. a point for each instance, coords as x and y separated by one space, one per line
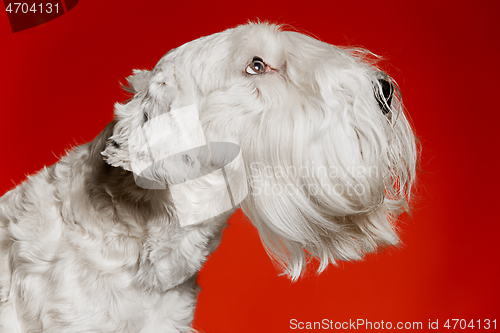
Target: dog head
329 154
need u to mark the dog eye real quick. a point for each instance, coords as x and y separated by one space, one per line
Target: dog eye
257 66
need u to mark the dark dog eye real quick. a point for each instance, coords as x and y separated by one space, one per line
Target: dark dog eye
257 66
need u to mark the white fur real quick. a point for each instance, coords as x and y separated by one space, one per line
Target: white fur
84 249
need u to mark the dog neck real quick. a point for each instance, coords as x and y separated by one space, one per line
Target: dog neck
134 230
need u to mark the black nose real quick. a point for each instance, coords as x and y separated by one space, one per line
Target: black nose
384 95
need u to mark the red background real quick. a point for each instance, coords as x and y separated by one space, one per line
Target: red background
59 82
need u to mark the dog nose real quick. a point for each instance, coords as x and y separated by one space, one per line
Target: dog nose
384 100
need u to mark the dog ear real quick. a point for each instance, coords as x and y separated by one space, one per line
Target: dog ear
137 82
127 116
159 121
383 92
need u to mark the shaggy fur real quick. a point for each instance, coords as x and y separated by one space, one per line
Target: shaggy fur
329 156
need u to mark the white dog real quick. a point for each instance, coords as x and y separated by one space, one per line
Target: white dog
309 137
